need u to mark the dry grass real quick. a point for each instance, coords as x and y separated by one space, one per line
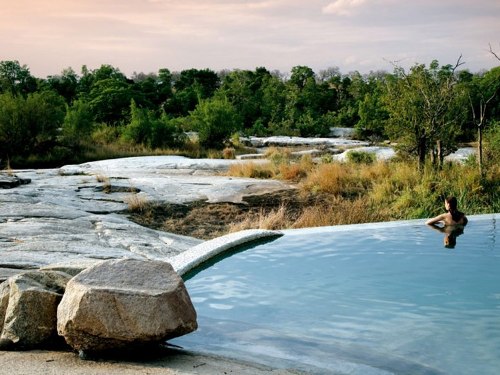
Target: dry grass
8 169
102 178
136 203
229 153
338 211
252 170
276 219
327 178
106 182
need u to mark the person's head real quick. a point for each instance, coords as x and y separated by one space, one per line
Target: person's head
450 203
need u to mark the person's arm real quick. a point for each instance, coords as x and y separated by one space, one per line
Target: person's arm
435 219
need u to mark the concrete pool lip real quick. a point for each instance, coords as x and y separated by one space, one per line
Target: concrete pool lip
192 258
379 225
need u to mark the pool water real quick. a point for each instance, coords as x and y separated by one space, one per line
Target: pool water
363 299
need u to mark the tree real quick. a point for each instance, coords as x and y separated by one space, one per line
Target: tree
425 109
152 90
147 129
189 88
16 78
29 125
78 124
109 100
482 91
215 120
65 84
244 88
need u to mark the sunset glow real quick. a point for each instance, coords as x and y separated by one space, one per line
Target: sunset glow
146 35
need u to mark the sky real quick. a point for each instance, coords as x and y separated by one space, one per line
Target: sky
147 35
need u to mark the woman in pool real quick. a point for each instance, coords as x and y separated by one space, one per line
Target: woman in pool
452 217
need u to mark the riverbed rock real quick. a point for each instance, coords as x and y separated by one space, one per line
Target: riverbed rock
28 309
124 303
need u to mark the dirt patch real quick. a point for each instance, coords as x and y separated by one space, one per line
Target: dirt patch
209 220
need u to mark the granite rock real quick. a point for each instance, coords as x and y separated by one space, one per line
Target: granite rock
28 309
124 303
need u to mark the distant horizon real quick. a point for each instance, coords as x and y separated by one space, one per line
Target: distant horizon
144 36
287 73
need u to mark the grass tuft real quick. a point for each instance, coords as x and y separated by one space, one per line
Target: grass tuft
136 203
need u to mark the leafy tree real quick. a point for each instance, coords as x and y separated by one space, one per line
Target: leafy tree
45 113
147 129
215 120
65 84
484 93
78 124
273 103
244 89
14 129
29 125
16 79
425 109
189 88
109 100
372 117
152 90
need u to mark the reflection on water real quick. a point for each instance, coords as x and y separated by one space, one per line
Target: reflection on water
385 300
451 232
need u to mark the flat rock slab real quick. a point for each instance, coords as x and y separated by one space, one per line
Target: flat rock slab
75 213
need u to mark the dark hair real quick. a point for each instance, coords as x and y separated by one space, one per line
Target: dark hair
456 215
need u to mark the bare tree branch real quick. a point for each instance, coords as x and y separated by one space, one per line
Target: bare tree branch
493 52
458 63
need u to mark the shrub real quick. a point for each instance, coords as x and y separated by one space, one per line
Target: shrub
215 120
361 157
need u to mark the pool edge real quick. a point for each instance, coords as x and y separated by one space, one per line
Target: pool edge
192 258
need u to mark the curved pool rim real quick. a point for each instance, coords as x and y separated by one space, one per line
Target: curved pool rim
209 252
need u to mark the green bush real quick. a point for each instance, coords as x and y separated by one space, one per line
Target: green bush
361 157
215 120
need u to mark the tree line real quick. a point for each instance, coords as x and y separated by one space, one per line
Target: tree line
426 109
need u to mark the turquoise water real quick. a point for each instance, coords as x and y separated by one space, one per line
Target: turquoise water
366 299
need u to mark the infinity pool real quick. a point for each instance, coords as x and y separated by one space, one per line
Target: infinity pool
360 299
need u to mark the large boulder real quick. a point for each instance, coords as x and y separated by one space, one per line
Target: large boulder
124 303
28 309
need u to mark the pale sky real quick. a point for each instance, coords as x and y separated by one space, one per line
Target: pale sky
146 35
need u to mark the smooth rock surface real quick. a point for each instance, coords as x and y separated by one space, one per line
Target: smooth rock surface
122 303
28 307
301 141
75 214
381 153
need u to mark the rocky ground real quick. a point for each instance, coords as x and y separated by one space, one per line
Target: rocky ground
75 216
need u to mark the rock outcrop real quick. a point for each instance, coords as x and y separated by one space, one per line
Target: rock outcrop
75 213
8 181
124 303
28 309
